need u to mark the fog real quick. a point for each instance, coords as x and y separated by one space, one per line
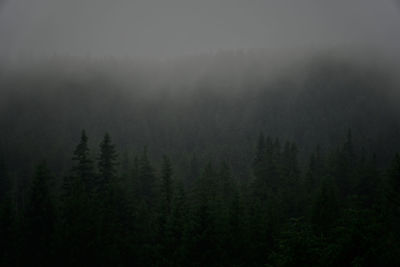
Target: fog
164 29
199 133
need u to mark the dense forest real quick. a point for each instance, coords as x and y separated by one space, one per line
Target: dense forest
222 161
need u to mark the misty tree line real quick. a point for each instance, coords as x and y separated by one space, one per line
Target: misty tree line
218 111
341 209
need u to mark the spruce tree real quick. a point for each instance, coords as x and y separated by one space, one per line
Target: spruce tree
78 213
4 179
111 206
106 164
40 217
146 179
82 177
7 217
325 209
166 186
392 190
165 207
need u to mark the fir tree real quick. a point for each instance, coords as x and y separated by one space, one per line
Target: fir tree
82 177
40 217
106 164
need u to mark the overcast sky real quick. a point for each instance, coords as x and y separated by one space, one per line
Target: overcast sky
172 28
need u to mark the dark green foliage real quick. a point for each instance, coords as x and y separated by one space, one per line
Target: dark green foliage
224 196
393 183
77 228
146 179
106 164
278 216
7 217
166 186
5 185
325 207
82 178
40 218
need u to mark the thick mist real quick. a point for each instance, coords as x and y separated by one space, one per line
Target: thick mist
199 133
155 29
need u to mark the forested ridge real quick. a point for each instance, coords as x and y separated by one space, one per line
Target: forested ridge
341 210
241 169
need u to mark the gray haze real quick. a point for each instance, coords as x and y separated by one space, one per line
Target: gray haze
159 29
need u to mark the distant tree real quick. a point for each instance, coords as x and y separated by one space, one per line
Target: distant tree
194 171
4 179
144 211
343 161
106 164
202 239
392 191
146 179
176 226
314 173
259 163
229 215
7 218
41 217
78 230
369 183
325 210
166 185
111 206
82 177
165 195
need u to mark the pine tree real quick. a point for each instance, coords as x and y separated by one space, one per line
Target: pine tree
111 206
4 179
314 172
392 191
165 208
228 215
369 184
144 209
106 164
7 218
259 160
165 195
146 179
166 185
202 219
343 162
176 226
40 217
82 177
193 172
325 207
78 212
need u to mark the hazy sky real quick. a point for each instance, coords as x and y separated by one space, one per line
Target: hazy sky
170 28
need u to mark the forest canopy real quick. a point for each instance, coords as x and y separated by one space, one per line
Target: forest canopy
217 161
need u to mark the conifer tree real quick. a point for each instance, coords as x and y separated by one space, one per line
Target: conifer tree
4 179
146 179
40 217
176 226
259 163
82 177
7 217
112 208
78 213
165 207
202 220
325 207
106 164
166 185
392 191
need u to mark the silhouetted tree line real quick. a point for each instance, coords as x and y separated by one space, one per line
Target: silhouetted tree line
212 109
339 210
